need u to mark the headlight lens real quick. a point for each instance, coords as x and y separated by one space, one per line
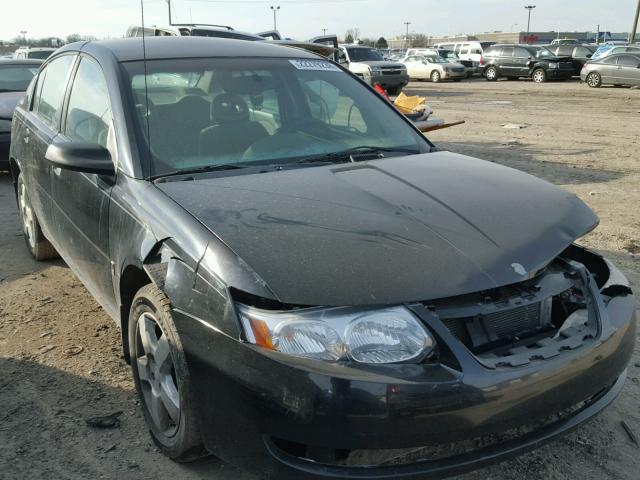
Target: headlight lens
389 335
553 65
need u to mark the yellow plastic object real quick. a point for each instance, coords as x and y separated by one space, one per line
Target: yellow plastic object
410 104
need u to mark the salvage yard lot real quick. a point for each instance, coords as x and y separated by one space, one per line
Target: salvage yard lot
60 360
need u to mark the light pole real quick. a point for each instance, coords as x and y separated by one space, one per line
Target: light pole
275 11
324 31
24 36
406 36
634 29
529 7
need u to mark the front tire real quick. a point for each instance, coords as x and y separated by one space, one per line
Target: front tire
162 378
436 77
40 248
539 75
491 74
594 80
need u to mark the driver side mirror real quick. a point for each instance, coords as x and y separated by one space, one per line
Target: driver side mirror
589 55
80 157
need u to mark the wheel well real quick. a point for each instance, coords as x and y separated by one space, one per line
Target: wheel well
14 168
132 280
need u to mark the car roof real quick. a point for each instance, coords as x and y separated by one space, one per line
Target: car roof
157 48
21 61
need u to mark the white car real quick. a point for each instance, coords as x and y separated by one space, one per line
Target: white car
434 68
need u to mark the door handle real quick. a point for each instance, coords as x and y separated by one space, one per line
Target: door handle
27 134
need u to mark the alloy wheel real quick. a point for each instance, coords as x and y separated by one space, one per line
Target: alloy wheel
156 372
490 74
539 76
28 219
593 80
435 77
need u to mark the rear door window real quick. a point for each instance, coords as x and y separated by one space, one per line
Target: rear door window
52 84
89 111
507 52
610 60
520 52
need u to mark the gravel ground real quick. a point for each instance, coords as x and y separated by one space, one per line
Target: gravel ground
60 355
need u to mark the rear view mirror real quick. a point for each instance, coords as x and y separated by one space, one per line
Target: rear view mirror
80 157
589 55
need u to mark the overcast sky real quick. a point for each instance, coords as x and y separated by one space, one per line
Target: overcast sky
303 19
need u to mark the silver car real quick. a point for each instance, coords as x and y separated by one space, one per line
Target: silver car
612 70
434 68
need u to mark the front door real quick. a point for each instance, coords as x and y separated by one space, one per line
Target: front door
81 200
628 70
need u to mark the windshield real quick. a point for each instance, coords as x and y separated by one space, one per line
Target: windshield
449 55
257 111
364 55
434 59
40 54
16 78
542 52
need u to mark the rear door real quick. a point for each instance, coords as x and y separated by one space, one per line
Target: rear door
416 67
81 200
40 125
506 63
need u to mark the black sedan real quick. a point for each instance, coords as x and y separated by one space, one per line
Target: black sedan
15 76
306 286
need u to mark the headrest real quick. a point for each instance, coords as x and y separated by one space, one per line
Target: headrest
228 108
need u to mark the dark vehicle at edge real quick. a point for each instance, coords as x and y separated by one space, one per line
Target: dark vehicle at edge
520 61
579 53
15 76
302 280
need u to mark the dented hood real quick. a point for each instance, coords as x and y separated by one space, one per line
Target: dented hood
387 231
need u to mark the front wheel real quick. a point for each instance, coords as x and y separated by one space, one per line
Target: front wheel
594 80
435 76
491 74
539 75
37 243
161 376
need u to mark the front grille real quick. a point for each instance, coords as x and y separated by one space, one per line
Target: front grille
458 70
391 71
501 326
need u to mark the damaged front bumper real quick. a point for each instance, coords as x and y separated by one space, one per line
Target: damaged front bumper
482 399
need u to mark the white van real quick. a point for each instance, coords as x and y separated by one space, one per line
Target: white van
466 50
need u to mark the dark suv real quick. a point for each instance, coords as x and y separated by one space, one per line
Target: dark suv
516 61
580 54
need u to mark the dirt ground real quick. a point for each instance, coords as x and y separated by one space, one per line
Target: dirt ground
60 355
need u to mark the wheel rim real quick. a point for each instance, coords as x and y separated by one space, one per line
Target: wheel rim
491 73
538 76
592 80
157 375
26 213
435 76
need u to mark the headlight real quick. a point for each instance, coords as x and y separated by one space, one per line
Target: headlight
388 335
553 65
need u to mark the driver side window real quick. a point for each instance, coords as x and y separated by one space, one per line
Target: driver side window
89 111
330 106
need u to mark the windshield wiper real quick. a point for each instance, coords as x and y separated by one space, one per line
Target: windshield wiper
347 155
206 168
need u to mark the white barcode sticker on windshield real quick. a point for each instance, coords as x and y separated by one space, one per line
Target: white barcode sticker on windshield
322 65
